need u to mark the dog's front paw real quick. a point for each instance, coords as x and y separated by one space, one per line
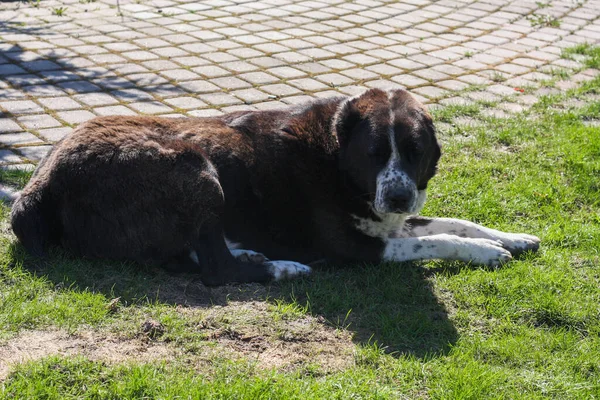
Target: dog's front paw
287 269
518 243
486 252
249 256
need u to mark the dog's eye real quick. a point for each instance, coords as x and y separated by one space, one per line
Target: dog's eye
414 152
378 152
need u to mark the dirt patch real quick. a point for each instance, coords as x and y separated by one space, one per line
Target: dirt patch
253 331
34 345
250 331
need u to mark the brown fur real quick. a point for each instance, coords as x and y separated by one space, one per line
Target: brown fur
283 182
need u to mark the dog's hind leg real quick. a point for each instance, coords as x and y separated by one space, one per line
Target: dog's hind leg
219 266
248 256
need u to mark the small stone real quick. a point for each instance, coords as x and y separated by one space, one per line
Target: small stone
153 329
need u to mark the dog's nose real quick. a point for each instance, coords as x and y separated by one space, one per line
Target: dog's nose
399 199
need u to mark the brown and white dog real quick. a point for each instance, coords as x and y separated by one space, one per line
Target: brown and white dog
339 179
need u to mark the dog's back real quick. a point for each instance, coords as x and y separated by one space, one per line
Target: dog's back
118 175
137 188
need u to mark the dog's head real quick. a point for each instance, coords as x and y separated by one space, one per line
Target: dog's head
388 148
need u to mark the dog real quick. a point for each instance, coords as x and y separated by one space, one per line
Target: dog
337 179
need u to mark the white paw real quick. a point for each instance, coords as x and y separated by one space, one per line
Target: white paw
486 252
287 269
518 243
249 256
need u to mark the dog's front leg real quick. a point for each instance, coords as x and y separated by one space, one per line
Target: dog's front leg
516 243
446 247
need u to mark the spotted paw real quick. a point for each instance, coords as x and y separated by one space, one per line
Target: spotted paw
287 269
518 243
249 256
486 252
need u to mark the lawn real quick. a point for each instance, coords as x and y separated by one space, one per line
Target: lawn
529 329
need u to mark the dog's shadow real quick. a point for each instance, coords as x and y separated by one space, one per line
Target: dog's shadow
393 305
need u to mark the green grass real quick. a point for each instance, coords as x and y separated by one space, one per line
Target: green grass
414 330
590 53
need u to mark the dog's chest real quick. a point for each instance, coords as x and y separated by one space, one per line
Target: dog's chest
389 225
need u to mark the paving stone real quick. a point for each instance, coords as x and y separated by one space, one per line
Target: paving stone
360 59
474 79
360 74
409 80
271 105
286 72
151 107
219 99
511 107
501 90
307 84
75 117
494 112
54 134
406 64
24 80
59 103
10 139
384 69
20 107
35 153
146 79
460 101
8 125
113 110
280 89
79 87
186 103
95 99
452 85
297 99
230 83
334 79
513 69
383 84
209 112
483 96
211 71
7 156
180 75
430 74
251 95
431 92
258 78
239 66
11 69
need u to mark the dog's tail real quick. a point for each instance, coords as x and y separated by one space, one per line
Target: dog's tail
30 221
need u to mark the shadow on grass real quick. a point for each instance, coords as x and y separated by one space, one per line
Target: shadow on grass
392 305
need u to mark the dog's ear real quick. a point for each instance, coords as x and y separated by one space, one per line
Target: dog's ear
346 118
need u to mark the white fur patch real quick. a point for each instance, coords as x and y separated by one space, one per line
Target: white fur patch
287 269
389 224
232 245
514 242
194 256
447 247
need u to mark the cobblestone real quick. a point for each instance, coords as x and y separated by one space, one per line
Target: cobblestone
173 57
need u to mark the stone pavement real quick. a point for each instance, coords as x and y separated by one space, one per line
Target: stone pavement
64 62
